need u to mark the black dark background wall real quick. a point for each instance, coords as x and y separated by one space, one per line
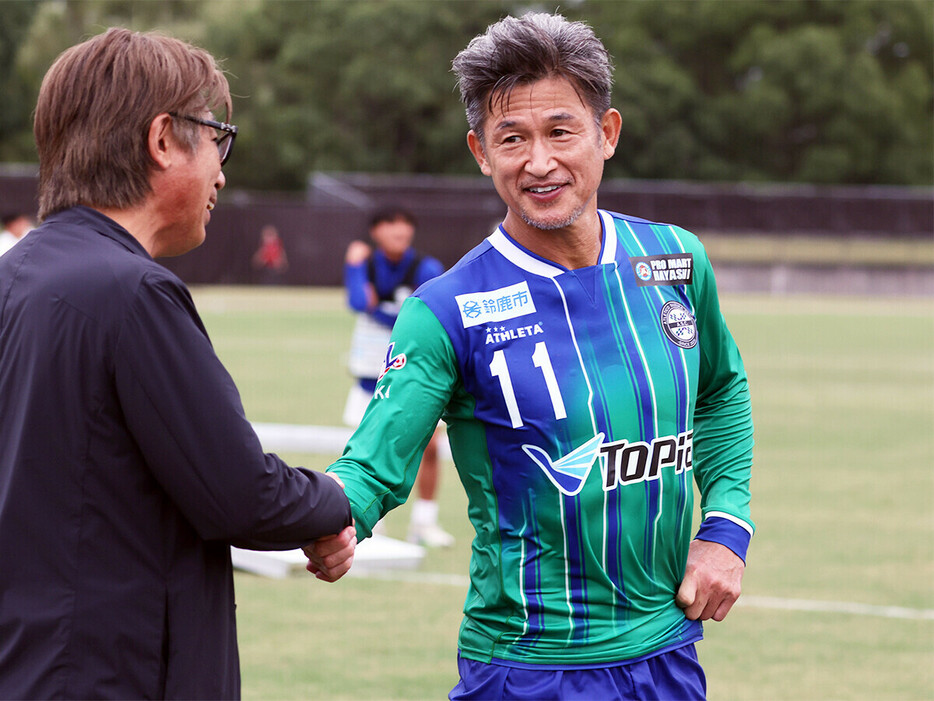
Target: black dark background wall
454 214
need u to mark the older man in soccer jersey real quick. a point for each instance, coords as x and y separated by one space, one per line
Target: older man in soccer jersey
587 377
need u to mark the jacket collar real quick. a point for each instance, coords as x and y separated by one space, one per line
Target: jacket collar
101 224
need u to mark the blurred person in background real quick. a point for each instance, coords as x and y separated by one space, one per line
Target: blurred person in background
128 467
15 226
270 258
588 380
378 278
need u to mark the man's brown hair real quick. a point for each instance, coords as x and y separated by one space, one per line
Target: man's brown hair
95 107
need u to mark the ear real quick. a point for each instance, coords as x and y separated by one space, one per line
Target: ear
161 140
611 125
476 148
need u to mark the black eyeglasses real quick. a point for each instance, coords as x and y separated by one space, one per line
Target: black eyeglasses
224 141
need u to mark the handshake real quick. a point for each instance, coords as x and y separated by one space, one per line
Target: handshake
330 557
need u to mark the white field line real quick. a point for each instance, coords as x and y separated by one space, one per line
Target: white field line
856 609
746 601
331 440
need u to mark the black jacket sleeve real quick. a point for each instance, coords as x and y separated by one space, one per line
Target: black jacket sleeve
185 414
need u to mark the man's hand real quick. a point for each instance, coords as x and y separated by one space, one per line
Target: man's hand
330 558
712 581
357 252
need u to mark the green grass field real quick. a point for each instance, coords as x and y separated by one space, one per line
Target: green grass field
843 497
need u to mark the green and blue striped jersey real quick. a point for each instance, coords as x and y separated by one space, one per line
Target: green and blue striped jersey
580 404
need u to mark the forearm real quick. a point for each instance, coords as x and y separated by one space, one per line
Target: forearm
196 439
723 427
723 444
355 283
381 460
324 511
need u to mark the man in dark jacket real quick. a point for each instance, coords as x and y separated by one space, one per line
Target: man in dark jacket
127 466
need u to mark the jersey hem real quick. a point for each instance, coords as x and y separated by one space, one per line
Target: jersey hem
697 637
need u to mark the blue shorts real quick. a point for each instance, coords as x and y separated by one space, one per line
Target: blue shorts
673 675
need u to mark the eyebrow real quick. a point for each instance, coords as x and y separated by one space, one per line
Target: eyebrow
554 118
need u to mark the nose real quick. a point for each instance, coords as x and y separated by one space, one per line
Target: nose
221 180
540 158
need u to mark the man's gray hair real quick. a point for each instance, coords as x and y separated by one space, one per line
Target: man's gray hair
524 50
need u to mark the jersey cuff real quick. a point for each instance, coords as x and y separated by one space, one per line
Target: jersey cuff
716 529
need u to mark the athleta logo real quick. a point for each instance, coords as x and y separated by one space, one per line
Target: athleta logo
392 362
496 305
503 334
621 462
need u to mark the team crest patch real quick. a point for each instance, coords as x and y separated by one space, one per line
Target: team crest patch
668 269
678 324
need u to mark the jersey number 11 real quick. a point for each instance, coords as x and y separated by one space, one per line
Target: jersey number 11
541 360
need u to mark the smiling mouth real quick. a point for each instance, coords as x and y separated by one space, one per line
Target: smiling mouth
210 206
543 190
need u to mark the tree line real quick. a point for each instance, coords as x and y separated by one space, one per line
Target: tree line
814 91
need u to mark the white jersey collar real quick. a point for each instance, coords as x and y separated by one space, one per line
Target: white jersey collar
609 238
510 250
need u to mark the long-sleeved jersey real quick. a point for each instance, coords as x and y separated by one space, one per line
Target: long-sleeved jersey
580 404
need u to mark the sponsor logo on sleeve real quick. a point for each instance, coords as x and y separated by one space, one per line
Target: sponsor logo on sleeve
392 362
668 269
496 305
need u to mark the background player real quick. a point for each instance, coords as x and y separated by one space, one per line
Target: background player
378 279
581 362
